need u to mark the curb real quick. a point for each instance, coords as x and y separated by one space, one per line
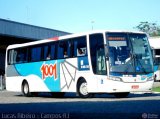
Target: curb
156 92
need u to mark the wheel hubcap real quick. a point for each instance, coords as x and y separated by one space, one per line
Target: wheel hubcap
25 88
83 89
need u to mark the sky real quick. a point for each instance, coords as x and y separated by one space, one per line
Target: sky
76 16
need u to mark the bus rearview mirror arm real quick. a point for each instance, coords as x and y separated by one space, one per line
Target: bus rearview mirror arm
106 52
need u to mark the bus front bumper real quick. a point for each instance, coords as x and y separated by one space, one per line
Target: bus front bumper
117 86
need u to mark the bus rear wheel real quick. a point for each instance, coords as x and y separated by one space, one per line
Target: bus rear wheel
25 89
82 89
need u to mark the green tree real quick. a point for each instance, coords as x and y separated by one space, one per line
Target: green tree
150 28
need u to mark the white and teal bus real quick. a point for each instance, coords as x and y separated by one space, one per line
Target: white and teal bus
116 62
154 43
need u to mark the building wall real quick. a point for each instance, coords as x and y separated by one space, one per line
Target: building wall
27 31
2 63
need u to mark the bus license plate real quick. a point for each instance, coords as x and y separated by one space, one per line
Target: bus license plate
135 86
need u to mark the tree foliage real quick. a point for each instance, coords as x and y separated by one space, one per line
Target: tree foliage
150 28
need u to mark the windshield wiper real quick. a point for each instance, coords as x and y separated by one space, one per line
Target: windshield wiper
132 57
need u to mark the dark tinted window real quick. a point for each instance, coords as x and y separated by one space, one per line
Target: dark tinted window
97 54
157 61
157 51
36 54
79 46
68 48
46 54
54 51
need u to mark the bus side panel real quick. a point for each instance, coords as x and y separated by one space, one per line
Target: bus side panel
52 76
13 79
14 83
68 74
36 84
15 76
72 70
41 73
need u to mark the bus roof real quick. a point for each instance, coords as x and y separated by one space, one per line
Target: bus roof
154 42
69 36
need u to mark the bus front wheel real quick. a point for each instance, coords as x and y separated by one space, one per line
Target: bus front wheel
25 89
82 89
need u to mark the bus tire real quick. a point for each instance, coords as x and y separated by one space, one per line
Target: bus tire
25 89
121 95
82 89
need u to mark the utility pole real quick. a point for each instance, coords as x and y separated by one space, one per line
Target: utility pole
92 22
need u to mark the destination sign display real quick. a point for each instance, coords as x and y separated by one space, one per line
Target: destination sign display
116 38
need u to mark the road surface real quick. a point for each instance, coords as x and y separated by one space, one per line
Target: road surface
14 105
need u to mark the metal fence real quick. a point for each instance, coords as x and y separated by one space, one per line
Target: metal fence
2 82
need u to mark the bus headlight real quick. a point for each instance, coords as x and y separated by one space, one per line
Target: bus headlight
150 78
115 78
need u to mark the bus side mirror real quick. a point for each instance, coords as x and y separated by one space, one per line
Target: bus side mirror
106 52
153 55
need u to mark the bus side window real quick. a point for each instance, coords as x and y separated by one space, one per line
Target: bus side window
11 57
81 51
14 56
60 54
81 47
47 53
22 55
68 47
97 55
72 54
74 48
157 61
53 51
64 49
36 54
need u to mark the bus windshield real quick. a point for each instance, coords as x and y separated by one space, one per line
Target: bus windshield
129 53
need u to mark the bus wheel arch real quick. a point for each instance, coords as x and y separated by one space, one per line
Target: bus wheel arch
25 88
82 88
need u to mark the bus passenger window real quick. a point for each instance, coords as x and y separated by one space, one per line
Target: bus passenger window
10 58
64 50
81 46
53 51
65 54
36 54
81 51
48 56
21 55
67 49
60 54
46 53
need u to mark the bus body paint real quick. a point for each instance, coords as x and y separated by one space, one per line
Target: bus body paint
48 71
83 63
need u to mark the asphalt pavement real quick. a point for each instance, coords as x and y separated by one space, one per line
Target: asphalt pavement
15 105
